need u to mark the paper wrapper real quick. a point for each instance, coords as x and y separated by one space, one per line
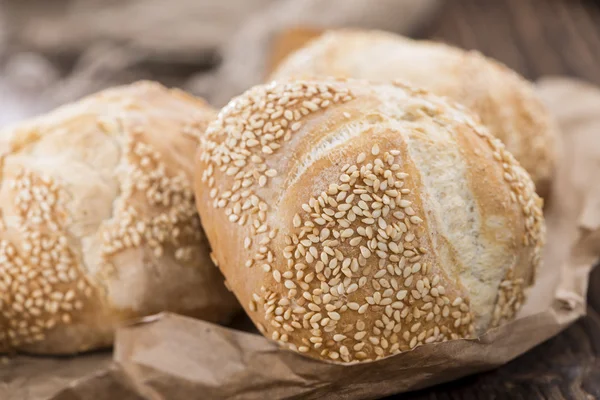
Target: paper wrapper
173 357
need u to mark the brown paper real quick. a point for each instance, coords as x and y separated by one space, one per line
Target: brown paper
173 357
25 378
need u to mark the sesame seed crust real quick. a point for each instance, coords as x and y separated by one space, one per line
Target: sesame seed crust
505 102
147 183
99 223
339 256
41 283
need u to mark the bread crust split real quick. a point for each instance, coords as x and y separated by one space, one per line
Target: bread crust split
354 221
98 223
505 102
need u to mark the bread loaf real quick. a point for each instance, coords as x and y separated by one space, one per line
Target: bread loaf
504 101
98 223
356 221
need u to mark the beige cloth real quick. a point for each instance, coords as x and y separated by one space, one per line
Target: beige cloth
246 55
114 42
176 30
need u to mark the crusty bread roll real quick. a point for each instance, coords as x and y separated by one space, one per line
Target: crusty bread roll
356 221
98 220
504 101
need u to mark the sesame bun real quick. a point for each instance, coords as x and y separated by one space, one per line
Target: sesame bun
98 221
356 221
505 102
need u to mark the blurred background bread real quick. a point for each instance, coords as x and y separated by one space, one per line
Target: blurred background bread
98 223
356 221
505 102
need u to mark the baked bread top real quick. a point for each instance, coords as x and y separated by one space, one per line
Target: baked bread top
505 102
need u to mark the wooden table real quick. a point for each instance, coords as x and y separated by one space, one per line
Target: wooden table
536 38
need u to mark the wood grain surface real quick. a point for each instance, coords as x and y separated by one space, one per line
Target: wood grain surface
536 38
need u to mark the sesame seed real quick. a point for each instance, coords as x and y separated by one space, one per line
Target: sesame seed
339 337
334 315
366 253
289 284
457 302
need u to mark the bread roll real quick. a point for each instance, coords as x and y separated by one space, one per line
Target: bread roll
356 221
504 101
98 221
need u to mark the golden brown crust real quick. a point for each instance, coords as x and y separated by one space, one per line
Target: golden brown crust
336 210
504 101
290 40
98 220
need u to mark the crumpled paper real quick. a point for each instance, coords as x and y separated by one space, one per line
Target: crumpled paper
173 357
29 378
